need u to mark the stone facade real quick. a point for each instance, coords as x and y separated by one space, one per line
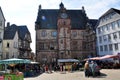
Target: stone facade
10 47
60 34
17 41
91 45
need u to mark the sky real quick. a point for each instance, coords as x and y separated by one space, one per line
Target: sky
24 12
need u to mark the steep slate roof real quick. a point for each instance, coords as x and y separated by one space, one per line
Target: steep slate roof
93 23
11 30
22 31
111 10
116 10
47 18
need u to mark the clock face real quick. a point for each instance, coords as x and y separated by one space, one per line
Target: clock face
64 15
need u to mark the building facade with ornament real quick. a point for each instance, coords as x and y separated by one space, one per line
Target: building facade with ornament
62 34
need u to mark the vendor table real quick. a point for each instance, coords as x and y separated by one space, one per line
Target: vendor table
13 77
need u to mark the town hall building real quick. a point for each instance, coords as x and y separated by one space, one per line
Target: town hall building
64 34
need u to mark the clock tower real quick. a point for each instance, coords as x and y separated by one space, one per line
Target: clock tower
64 32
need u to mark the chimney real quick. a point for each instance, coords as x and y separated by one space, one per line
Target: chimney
8 24
83 9
39 7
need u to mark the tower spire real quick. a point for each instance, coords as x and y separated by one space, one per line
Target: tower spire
61 5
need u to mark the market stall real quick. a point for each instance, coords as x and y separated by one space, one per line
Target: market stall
31 69
67 64
12 74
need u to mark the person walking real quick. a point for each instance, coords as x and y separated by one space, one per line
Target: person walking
93 67
86 69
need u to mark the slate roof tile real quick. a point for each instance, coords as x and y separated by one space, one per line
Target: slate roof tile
47 18
11 30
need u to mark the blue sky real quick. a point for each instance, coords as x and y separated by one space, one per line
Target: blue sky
24 12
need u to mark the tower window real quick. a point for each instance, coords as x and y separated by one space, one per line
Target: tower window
54 34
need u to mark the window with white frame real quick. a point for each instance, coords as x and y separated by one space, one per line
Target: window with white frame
99 31
116 46
102 28
101 48
105 37
118 22
109 37
110 47
119 33
100 39
105 48
115 35
113 25
109 26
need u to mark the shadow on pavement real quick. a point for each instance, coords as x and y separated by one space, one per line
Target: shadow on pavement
35 75
102 75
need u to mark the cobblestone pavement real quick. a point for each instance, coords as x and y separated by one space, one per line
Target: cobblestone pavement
107 74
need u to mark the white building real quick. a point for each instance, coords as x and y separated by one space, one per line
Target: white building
10 42
16 43
2 25
108 33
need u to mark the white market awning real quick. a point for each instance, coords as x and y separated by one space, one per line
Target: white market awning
67 60
34 62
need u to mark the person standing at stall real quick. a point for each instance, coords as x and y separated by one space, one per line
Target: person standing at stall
93 67
86 69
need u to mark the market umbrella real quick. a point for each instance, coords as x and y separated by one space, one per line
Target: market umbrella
103 57
14 61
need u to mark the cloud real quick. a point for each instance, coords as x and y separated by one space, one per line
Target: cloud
95 9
